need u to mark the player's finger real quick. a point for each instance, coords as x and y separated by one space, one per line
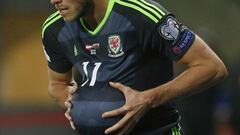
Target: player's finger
119 124
72 125
67 115
128 128
73 83
119 86
72 89
70 97
68 104
116 112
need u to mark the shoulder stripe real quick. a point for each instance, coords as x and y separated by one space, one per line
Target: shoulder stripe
50 18
153 6
49 23
150 9
140 9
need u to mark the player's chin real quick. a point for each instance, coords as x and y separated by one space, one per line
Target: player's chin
68 18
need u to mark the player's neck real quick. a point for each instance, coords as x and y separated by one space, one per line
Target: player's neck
96 13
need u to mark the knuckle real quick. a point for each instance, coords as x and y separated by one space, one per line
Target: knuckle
67 115
69 105
70 96
72 89
67 112
66 104
69 118
127 108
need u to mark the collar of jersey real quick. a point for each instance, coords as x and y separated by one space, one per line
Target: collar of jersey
101 24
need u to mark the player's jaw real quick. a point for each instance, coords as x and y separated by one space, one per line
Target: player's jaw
70 9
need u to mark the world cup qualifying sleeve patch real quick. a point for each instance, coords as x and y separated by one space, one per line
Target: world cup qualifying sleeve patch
178 35
170 29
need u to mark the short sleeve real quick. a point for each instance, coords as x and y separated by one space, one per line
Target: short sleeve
172 37
57 59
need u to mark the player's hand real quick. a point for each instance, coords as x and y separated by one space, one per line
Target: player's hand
136 105
68 104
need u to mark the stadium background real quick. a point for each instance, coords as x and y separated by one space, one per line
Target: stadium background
26 108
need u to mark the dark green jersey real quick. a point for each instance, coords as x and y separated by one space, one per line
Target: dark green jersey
134 44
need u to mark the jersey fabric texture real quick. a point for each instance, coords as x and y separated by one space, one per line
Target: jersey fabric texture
172 129
134 44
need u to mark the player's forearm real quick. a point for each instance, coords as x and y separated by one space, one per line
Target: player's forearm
58 92
190 81
59 84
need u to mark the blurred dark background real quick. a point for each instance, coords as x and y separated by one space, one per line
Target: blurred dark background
26 108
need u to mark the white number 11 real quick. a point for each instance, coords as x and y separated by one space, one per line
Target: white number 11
94 73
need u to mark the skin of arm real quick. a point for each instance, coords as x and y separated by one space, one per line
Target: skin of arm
59 86
204 69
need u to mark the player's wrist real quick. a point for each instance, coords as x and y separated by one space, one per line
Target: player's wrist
150 96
